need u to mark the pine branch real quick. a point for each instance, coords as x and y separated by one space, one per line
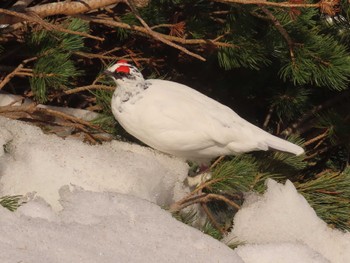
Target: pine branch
282 31
143 30
329 195
313 112
158 36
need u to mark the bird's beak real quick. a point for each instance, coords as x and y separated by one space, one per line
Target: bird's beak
108 73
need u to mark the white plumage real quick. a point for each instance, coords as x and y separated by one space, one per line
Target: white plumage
181 121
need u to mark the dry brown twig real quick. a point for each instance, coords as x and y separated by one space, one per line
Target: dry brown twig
212 219
313 112
329 7
68 117
268 117
15 72
59 8
317 138
175 206
197 196
282 31
167 39
80 7
158 36
34 109
317 153
266 3
93 55
34 18
143 30
89 87
202 198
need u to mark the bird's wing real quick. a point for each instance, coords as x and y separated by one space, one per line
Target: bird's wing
226 128
181 117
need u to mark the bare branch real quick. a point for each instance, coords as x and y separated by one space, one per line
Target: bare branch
89 87
158 36
312 113
33 108
268 117
266 3
282 31
212 219
21 4
70 7
15 72
202 198
317 138
143 30
36 19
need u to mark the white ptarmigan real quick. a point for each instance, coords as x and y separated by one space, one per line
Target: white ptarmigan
181 121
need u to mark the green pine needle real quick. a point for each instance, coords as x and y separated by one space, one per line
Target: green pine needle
44 42
234 176
291 103
248 55
11 202
107 122
210 230
70 42
329 195
54 68
186 217
321 61
52 72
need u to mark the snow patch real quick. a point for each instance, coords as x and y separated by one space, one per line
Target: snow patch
101 204
105 228
41 163
279 253
282 215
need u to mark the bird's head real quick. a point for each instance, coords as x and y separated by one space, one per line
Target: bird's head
124 73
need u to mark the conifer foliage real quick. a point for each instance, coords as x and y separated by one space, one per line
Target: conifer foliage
54 67
284 66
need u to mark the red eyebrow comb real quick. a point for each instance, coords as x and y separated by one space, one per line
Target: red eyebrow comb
124 69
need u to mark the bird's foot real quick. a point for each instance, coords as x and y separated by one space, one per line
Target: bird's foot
194 181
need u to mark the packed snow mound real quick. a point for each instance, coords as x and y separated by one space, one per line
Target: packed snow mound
283 215
108 209
105 228
31 161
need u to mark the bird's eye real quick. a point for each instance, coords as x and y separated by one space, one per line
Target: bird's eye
123 69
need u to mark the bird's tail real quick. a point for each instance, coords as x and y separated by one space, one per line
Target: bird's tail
283 145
